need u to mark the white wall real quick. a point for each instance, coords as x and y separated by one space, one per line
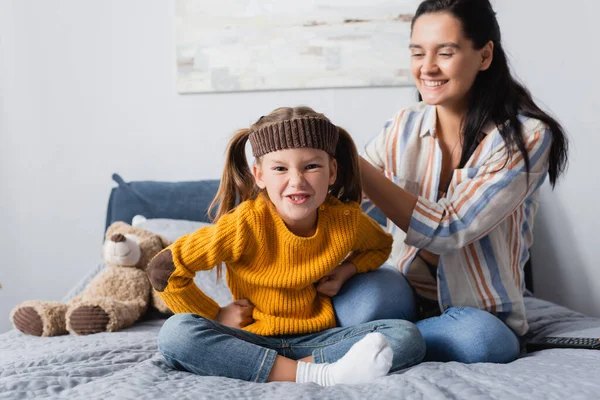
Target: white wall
87 88
557 58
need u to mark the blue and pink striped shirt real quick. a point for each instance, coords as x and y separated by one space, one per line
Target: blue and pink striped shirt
482 228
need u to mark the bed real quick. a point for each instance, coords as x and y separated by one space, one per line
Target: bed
126 364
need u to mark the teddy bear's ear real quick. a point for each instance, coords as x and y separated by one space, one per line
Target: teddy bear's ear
118 226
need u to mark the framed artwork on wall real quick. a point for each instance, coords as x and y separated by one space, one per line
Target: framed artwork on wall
246 45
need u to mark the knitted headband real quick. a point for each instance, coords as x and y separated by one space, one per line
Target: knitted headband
316 133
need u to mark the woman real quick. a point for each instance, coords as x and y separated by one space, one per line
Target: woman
458 176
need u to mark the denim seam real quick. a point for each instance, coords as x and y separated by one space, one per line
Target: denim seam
318 356
266 365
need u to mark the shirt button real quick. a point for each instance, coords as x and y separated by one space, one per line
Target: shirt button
322 208
346 212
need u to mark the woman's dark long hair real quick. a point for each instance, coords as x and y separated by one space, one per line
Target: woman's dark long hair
495 94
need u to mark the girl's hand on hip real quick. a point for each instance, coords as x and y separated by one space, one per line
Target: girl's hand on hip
237 314
330 284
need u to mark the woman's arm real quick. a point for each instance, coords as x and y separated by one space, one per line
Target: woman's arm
378 161
396 203
475 205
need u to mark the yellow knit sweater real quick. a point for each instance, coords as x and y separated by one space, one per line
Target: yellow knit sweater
273 268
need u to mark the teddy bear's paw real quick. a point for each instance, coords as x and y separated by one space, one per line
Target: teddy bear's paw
86 320
28 321
40 318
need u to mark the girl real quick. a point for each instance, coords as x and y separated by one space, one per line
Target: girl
297 235
458 175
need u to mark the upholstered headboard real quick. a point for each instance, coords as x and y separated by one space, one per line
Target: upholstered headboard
154 199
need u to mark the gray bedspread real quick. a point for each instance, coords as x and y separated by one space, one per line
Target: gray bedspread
126 365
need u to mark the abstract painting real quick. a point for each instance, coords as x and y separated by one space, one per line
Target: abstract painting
245 45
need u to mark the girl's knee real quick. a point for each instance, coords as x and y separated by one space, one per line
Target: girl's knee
177 331
175 324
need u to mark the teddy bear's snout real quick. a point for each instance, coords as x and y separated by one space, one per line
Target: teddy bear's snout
117 237
122 249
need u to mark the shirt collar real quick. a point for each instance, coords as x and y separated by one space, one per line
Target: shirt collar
429 121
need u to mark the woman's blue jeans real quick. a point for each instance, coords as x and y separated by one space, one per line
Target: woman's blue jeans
463 334
192 343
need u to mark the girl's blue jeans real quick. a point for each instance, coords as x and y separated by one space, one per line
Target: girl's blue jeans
193 343
463 334
378 301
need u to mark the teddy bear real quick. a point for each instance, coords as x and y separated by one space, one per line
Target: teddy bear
115 299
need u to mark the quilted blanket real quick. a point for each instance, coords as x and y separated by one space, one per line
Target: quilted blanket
126 365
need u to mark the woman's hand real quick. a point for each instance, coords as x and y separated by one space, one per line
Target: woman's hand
330 284
236 315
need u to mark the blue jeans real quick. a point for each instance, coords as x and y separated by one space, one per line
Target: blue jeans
193 343
463 334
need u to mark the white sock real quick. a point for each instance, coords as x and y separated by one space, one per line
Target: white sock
368 359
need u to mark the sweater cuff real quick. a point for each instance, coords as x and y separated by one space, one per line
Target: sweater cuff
365 262
190 299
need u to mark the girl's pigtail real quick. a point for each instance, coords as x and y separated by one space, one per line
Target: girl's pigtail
237 182
347 186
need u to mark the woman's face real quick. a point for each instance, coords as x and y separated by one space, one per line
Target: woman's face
443 61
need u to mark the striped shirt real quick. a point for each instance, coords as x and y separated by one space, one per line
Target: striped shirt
483 228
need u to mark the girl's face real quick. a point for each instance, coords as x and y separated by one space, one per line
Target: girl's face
297 182
443 61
